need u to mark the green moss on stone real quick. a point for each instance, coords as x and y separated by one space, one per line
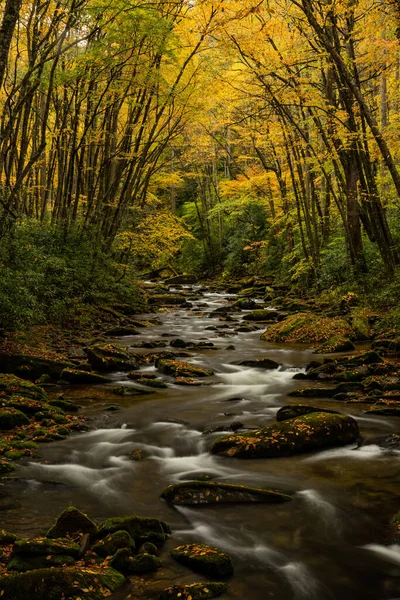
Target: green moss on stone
194 591
11 418
115 541
70 522
204 559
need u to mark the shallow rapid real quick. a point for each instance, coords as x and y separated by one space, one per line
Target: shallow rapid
327 543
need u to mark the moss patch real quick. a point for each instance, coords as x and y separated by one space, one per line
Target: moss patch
204 559
306 327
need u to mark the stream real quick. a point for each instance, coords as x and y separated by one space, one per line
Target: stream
329 542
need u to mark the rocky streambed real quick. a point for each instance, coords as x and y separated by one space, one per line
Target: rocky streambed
213 462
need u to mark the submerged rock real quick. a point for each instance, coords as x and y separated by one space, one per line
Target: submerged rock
259 363
56 583
203 492
313 431
70 522
194 591
43 546
204 559
181 369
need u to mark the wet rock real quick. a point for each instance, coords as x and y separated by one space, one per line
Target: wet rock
112 408
136 455
153 383
178 343
31 362
306 327
204 559
78 377
217 429
71 522
44 546
389 442
129 390
13 385
109 357
231 347
115 541
336 344
6 537
144 563
181 369
309 432
236 425
194 493
141 529
263 315
292 411
22 563
395 525
11 418
189 381
245 303
56 583
66 405
194 591
121 331
6 467
321 392
25 405
366 358
148 548
259 363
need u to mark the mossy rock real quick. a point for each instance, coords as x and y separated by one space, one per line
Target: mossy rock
180 368
366 358
15 454
245 304
318 392
387 347
44 546
141 529
167 299
395 525
70 522
204 559
11 418
336 344
12 385
6 537
153 383
148 548
26 405
110 357
361 327
194 591
121 331
65 405
78 377
263 316
56 583
385 411
206 492
31 362
129 390
124 562
26 562
110 544
292 411
307 327
6 467
260 363
313 431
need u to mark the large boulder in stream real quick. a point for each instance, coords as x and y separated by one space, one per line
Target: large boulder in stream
110 357
78 377
70 522
207 492
12 385
204 559
141 529
56 583
292 411
195 591
31 362
259 363
180 368
313 431
307 327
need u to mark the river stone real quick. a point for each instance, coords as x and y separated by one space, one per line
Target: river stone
181 369
336 343
259 363
202 492
148 548
26 405
71 522
245 304
389 411
10 418
142 529
204 559
291 411
43 546
31 362
110 544
121 331
196 591
367 358
27 562
127 564
76 376
6 537
13 385
110 357
56 583
263 315
320 392
309 432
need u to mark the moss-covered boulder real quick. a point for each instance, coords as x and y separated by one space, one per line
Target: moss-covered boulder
110 357
141 529
309 432
384 410
245 304
65 405
6 467
6 537
387 347
40 546
365 358
110 544
158 384
206 492
57 583
23 562
12 385
148 548
260 363
70 522
26 405
263 316
11 418
78 377
204 559
180 368
194 591
29 362
127 564
317 392
121 331
337 343
307 327
291 411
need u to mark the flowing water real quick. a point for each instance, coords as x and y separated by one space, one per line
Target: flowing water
327 543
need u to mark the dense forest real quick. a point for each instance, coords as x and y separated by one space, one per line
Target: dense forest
205 137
